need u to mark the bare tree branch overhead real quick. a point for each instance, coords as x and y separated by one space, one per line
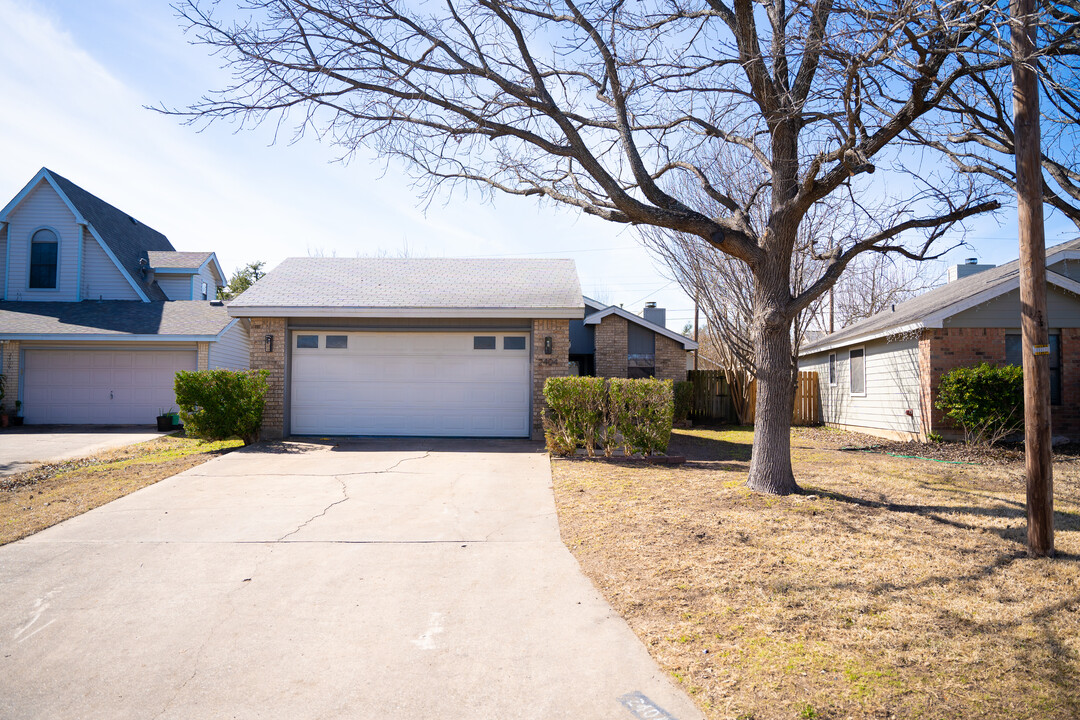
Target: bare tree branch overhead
622 110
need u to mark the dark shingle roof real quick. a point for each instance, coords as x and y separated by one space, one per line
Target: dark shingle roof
177 259
932 302
112 317
127 238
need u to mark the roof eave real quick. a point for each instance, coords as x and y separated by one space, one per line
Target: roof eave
106 337
570 313
596 317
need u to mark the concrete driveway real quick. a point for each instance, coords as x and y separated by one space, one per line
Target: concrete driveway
381 579
23 447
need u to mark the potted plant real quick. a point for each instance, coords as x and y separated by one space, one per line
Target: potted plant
17 419
168 421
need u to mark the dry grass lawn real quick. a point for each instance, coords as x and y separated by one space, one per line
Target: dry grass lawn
48 494
893 588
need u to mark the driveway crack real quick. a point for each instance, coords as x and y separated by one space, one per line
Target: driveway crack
313 518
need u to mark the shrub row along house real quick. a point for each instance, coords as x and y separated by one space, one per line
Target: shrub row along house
880 375
100 311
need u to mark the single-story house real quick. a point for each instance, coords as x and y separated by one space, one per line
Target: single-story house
410 346
880 375
100 311
435 346
612 342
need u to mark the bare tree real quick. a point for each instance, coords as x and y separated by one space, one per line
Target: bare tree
874 283
599 105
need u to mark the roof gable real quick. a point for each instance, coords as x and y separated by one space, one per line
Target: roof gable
932 307
124 239
596 317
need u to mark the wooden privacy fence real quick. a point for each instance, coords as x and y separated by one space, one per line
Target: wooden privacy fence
712 398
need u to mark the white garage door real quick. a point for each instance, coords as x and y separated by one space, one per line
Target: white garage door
100 387
451 384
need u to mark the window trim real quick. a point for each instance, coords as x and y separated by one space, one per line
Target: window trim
524 343
494 342
297 345
326 341
834 376
30 256
851 374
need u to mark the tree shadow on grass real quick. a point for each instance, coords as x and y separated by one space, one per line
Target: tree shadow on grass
707 444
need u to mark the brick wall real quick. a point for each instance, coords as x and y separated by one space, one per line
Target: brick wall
948 348
557 364
273 427
670 359
204 356
611 347
10 368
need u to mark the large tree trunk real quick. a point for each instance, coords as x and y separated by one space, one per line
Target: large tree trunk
770 463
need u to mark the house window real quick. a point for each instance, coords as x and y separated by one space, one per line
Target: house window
857 368
337 342
641 352
483 342
1014 356
832 368
307 341
513 343
204 291
43 253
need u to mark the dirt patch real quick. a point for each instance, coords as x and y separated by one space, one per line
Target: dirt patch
894 588
48 494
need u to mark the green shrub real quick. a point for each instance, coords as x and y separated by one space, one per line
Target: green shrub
587 412
220 404
643 412
986 401
684 400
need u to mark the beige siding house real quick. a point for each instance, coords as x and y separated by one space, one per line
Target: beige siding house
880 375
88 335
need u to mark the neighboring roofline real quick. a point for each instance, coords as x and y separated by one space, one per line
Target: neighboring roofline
99 337
596 317
238 311
226 328
42 174
937 319
211 257
217 265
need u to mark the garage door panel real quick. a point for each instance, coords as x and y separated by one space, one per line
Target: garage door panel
410 384
100 386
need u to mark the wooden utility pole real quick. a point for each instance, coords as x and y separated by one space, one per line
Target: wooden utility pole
1036 337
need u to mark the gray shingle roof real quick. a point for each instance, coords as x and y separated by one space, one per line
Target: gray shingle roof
932 302
177 259
127 238
112 317
420 284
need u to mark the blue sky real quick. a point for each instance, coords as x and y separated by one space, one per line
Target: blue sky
77 75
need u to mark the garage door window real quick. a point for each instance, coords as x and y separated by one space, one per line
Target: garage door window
483 342
307 341
337 342
513 343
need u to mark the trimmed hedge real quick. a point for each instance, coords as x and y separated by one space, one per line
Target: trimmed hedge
985 400
220 404
589 412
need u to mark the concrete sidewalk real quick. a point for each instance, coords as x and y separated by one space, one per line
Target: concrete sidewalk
23 447
392 579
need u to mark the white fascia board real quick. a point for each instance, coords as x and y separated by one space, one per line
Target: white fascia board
596 317
864 338
1063 282
85 337
217 267
572 313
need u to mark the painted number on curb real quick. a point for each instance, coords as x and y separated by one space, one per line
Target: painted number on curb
643 708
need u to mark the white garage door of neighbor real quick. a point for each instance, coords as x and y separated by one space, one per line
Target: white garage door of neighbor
100 387
450 384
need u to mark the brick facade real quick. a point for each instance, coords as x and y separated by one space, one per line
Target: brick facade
273 427
670 359
942 349
557 364
611 345
9 366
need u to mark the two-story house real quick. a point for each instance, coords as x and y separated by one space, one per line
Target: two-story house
99 311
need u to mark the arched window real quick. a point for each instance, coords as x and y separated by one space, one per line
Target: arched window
43 252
